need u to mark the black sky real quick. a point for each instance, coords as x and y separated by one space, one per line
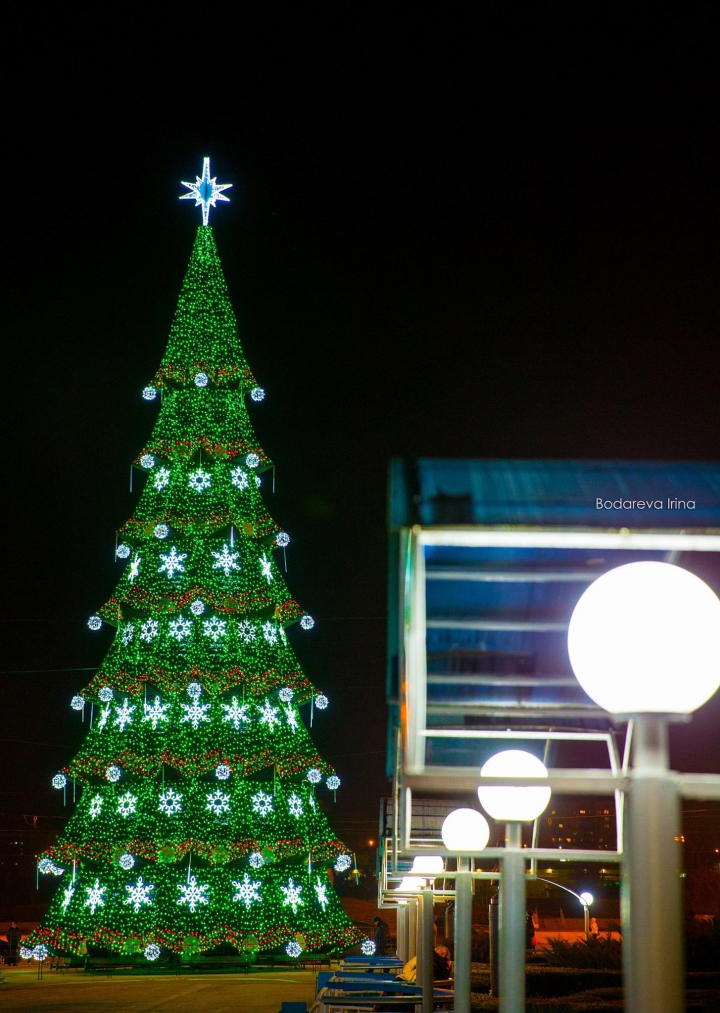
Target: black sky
451 234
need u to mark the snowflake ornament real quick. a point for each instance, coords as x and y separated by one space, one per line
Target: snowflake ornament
128 633
342 863
333 782
256 860
123 551
94 622
26 953
40 952
95 806
199 480
180 628
218 802
45 866
282 539
104 715
172 563
236 713
198 607
78 702
320 889
113 773
149 393
258 481
247 891
252 460
156 712
367 946
293 949
161 531
295 805
95 897
68 894
314 776
147 461
194 690
307 622
170 802
247 631
268 715
149 630
134 569
59 781
127 804
321 701
239 479
257 394
262 804
106 694
214 628
226 561
311 800
286 694
266 567
195 713
222 772
152 951
201 379
162 479
293 895
270 632
291 717
123 715
193 894
139 894
126 861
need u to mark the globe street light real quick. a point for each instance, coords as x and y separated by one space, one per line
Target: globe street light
464 830
514 806
644 643
585 899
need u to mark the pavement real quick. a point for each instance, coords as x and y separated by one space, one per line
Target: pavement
77 992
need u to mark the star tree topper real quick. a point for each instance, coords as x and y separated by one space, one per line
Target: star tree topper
206 192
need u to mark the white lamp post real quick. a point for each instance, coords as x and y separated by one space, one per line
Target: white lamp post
464 830
644 642
587 899
514 806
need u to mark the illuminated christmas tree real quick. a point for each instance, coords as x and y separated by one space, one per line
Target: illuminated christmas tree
198 821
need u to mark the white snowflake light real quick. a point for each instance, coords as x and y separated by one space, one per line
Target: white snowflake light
270 632
193 894
123 715
56 870
266 567
123 551
113 773
262 803
94 622
128 632
293 949
282 539
258 481
195 713
218 802
59 781
68 894
180 628
134 569
291 717
194 690
222 772
106 694
256 860
314 776
239 479
149 393
198 607
311 800
321 701
307 622
333 782
268 715
295 805
152 951
156 713
252 461
95 896
26 953
214 628
201 379
45 866
320 889
286 694
170 802
199 480
257 394
293 895
343 863
367 946
172 563
248 892
235 713
95 806
127 804
162 479
161 531
126 861
139 894
40 952
247 631
78 702
149 630
104 715
226 561
147 461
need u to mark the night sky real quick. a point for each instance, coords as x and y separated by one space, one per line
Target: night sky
450 234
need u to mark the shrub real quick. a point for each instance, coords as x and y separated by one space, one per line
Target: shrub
601 952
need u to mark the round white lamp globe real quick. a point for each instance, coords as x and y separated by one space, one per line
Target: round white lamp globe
428 865
586 898
514 805
465 830
645 638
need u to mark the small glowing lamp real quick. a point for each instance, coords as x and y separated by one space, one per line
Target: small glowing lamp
428 865
511 804
465 830
410 885
645 638
586 898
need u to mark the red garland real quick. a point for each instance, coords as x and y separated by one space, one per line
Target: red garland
255 601
257 684
261 527
189 766
107 852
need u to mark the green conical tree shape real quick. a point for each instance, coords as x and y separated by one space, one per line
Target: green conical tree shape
198 821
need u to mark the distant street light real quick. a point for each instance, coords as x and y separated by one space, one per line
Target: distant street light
585 899
644 642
